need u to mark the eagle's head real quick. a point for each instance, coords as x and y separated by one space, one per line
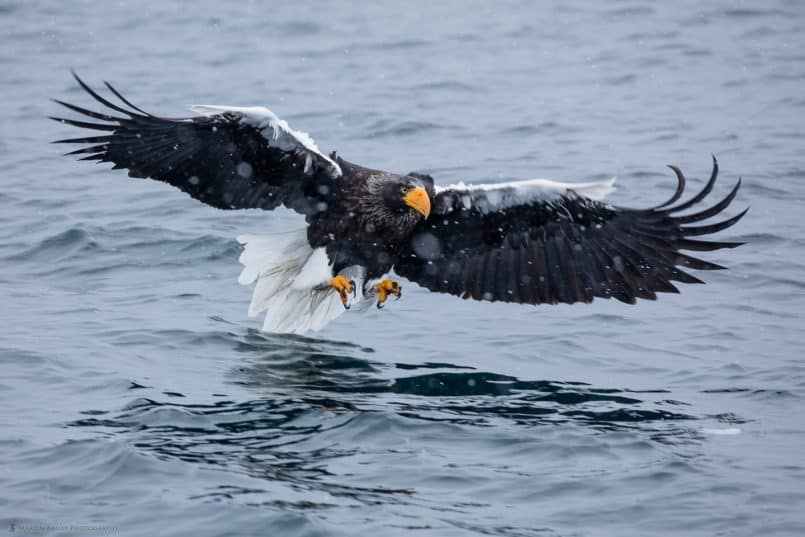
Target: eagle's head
409 194
399 202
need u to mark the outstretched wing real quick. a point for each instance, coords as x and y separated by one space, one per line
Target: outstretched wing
230 158
541 242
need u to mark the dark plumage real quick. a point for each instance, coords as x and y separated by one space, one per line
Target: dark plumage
571 249
218 160
528 242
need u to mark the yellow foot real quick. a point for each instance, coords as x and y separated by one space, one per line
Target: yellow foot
386 288
344 287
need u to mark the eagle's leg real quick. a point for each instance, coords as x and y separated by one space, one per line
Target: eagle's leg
386 288
343 286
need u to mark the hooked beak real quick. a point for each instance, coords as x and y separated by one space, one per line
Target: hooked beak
418 200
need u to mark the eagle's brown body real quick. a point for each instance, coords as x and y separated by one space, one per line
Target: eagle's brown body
360 224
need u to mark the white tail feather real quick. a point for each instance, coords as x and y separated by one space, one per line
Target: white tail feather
292 282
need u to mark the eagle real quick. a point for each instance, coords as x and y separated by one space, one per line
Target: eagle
527 242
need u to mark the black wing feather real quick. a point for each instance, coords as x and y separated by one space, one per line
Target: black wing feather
571 249
219 160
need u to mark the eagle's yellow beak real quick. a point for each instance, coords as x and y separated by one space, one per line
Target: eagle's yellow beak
417 198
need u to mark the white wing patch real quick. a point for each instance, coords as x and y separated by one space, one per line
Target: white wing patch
493 197
276 132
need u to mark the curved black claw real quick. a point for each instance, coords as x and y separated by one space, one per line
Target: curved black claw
398 294
346 305
354 289
380 305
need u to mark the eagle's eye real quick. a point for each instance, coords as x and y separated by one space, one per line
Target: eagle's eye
404 189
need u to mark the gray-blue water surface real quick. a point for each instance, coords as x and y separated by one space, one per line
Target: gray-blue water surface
136 392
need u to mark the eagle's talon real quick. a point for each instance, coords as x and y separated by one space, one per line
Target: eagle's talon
386 288
343 287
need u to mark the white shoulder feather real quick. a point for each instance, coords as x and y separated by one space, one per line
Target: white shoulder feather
276 132
497 196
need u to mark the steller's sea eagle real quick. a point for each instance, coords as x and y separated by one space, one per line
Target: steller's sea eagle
532 242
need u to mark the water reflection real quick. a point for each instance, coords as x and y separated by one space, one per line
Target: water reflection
335 370
309 395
